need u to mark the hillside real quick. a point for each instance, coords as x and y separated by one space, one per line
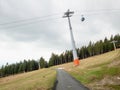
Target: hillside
42 79
101 72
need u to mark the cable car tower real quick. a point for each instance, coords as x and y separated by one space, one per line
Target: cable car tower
68 14
114 44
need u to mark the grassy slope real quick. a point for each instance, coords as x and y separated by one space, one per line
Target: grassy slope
36 80
98 72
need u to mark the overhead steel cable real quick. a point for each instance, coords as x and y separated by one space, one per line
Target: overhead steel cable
33 20
27 23
30 19
55 14
95 12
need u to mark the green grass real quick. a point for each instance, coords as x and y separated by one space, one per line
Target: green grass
97 74
37 80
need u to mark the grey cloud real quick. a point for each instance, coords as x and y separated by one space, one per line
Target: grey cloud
42 33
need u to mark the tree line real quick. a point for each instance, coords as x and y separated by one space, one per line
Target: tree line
99 47
91 49
22 67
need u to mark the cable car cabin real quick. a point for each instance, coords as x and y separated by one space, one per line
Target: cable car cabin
82 19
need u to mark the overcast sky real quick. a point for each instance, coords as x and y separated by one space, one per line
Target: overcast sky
30 29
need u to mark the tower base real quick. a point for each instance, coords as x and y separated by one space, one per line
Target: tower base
76 62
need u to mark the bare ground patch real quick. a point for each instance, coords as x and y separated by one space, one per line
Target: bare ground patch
107 83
